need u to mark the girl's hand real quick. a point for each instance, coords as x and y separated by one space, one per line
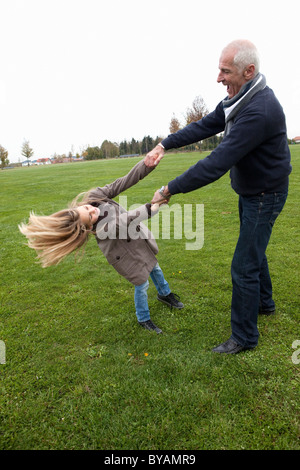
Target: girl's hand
153 158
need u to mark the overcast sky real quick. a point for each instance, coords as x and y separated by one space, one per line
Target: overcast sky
77 72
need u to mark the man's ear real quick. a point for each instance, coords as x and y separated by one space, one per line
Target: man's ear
249 72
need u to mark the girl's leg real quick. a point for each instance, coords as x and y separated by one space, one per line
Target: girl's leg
142 308
164 292
141 302
159 281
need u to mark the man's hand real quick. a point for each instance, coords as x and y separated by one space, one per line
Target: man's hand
154 157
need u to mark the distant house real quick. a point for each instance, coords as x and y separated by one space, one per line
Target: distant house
39 161
296 140
43 161
27 163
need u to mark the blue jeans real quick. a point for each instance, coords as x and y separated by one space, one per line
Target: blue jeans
251 282
141 296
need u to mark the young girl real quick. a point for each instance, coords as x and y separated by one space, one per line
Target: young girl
125 241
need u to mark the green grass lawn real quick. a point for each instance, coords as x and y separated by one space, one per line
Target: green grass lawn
81 374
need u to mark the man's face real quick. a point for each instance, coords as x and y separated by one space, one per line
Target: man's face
229 74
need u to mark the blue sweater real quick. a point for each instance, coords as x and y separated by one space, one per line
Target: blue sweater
256 149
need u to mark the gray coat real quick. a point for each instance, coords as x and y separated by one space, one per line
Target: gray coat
127 243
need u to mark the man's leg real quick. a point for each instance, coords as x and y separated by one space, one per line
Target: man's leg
257 217
266 302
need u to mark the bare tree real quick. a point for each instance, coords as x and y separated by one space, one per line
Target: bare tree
27 152
197 112
174 125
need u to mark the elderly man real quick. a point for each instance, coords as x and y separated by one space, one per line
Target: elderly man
256 152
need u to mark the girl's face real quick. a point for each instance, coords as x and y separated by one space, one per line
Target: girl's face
88 215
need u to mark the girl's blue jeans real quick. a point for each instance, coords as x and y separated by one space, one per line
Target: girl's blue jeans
141 296
251 281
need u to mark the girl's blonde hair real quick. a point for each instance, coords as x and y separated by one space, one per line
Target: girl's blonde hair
55 236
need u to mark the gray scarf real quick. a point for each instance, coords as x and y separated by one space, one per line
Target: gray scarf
233 106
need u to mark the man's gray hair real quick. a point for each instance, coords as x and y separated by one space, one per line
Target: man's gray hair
245 54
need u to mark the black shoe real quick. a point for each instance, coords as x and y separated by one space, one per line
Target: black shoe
149 325
229 347
173 300
262 311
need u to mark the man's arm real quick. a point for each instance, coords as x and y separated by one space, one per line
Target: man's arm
248 133
250 130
